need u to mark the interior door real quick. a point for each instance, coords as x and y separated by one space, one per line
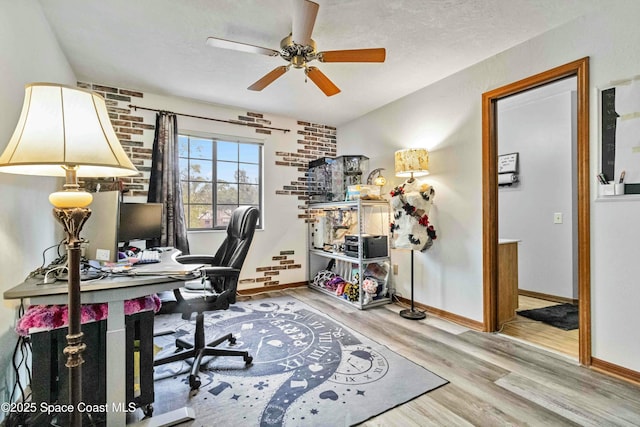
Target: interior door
579 69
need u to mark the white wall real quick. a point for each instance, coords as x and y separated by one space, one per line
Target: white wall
539 125
446 118
30 53
282 229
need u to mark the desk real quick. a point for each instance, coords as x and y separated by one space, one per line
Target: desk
113 291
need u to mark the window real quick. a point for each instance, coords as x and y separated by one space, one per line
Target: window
218 175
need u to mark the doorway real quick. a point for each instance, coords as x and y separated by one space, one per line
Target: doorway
579 69
539 213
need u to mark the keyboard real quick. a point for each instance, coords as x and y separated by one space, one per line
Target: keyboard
148 257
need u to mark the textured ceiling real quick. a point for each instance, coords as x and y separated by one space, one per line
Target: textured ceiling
159 46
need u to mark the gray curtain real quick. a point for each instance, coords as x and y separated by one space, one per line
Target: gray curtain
164 184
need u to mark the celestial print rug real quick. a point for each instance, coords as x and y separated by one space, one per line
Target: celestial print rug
308 369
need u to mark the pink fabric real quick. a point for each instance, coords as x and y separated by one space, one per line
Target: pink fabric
56 316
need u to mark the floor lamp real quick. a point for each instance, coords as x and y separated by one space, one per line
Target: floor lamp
65 131
411 163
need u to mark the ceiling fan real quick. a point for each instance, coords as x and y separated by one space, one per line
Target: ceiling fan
298 49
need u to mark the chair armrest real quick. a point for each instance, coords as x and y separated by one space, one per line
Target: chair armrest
195 259
220 271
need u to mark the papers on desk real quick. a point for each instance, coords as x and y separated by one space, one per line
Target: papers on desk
154 269
167 266
166 269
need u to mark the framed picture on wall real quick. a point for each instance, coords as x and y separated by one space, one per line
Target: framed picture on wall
508 163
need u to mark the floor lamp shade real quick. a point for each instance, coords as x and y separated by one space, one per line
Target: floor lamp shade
412 162
62 126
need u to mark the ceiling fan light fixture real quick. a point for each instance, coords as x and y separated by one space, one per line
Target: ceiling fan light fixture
298 49
296 53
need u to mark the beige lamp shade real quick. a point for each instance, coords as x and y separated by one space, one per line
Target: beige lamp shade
412 162
63 127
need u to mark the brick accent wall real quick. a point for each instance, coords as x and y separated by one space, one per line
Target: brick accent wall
268 275
129 128
313 141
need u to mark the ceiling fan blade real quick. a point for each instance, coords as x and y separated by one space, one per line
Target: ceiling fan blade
354 55
242 47
269 78
304 18
322 81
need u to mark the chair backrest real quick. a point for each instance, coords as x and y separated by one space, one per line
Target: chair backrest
240 230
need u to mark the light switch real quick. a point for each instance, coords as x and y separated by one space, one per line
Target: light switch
557 218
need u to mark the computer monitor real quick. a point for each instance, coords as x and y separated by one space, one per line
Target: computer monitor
100 231
140 221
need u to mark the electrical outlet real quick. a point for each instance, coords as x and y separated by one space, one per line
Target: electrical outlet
395 269
557 218
103 254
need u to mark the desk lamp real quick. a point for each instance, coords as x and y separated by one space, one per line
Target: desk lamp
375 177
66 131
412 162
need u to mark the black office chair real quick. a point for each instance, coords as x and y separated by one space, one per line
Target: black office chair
222 272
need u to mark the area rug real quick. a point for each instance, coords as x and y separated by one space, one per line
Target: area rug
307 369
563 316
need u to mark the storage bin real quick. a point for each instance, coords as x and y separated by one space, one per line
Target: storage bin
329 178
319 180
346 171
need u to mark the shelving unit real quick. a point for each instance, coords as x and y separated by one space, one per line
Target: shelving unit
366 219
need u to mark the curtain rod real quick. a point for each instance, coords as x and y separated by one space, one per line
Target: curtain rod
136 107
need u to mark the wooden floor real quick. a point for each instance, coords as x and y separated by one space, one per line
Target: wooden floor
493 380
538 333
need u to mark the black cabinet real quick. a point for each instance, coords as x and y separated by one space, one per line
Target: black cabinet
50 378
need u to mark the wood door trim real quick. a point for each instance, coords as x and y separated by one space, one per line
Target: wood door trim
580 69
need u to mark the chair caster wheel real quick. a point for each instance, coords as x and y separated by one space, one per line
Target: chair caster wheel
232 340
248 360
147 410
194 383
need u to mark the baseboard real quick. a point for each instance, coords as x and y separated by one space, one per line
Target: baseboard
255 291
615 370
547 297
464 321
460 320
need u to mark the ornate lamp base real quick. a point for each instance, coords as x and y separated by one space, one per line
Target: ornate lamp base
72 219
